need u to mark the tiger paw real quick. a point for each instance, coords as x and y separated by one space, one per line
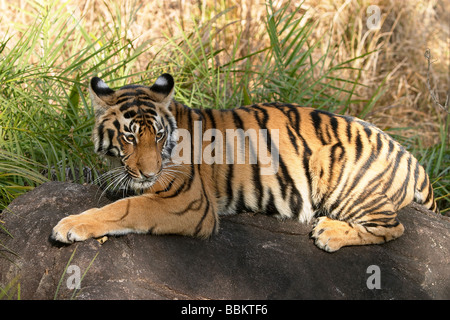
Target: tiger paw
73 228
330 235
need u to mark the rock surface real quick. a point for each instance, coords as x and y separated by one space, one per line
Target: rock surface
252 257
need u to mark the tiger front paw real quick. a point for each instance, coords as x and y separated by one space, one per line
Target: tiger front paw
330 235
74 228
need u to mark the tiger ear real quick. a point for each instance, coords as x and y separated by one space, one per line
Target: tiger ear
102 96
163 88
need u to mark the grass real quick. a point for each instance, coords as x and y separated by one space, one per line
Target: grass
77 282
45 119
45 65
11 290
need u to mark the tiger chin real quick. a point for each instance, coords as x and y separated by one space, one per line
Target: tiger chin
343 174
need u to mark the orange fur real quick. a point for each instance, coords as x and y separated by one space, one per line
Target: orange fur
280 159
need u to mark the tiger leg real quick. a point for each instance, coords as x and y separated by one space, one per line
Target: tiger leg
140 214
369 228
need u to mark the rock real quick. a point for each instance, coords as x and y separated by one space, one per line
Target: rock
252 257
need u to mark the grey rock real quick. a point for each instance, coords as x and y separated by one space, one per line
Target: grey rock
252 257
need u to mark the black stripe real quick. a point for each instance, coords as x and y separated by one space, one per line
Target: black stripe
237 120
334 150
258 188
430 191
334 126
283 179
416 175
127 211
200 223
116 124
349 129
150 107
379 143
391 148
294 117
126 106
368 132
193 205
100 138
393 175
168 187
210 115
229 178
270 207
240 204
403 190
317 121
359 146
293 139
288 187
129 114
425 181
110 134
257 113
135 91
295 202
122 100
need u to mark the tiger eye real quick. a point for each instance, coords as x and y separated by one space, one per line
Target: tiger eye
129 138
159 135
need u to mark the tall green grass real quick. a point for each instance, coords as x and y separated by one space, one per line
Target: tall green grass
285 70
46 118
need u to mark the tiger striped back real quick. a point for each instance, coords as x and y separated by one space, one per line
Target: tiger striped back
339 167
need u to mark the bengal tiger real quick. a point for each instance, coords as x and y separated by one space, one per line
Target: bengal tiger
347 175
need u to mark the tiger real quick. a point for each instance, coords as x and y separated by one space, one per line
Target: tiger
342 175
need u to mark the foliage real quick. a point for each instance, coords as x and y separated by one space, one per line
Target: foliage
45 118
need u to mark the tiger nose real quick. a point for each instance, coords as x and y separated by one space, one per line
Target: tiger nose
148 170
146 175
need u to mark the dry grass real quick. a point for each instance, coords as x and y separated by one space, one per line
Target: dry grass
408 28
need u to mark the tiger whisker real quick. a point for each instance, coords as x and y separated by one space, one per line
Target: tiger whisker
109 174
112 179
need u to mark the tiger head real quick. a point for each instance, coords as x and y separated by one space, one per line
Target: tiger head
135 129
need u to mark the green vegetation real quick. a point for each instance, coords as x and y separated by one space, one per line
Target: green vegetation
45 114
